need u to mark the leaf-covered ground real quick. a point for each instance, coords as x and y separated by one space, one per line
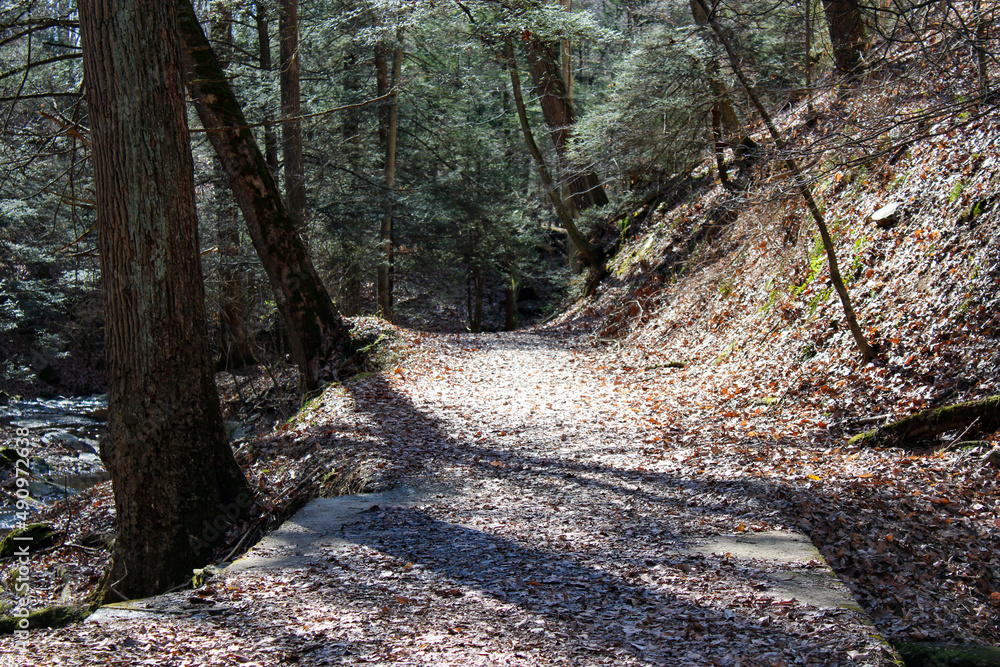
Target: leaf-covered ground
566 484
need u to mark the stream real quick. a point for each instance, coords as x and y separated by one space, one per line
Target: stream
63 435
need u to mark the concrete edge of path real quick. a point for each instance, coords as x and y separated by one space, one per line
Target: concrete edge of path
791 566
794 570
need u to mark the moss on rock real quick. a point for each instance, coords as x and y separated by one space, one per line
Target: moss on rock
49 617
948 655
34 536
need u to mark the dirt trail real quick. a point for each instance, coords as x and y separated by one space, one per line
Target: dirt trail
533 526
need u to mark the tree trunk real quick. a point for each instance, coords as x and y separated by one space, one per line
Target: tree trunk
235 350
867 352
982 415
979 46
727 132
387 82
847 34
590 254
557 108
315 329
177 485
810 111
353 155
510 322
264 61
291 112
475 298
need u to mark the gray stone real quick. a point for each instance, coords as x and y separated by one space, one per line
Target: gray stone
888 216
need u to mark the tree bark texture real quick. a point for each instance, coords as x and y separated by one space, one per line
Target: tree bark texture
315 328
848 34
557 108
291 112
177 485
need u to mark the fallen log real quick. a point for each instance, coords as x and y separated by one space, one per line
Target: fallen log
982 416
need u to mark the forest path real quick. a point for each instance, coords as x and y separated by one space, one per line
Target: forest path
534 526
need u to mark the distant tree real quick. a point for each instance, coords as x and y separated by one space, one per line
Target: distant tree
848 34
388 71
291 111
315 328
177 485
235 349
553 94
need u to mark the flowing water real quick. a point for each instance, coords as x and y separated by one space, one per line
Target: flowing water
63 435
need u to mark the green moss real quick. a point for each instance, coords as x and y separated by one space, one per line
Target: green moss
948 655
957 190
49 617
34 536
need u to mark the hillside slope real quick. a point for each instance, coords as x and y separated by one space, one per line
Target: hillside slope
726 298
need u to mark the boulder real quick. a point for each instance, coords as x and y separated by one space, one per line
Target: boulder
888 216
34 536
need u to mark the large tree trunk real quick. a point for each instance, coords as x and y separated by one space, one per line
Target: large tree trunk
349 297
291 112
557 108
315 329
177 485
387 81
847 34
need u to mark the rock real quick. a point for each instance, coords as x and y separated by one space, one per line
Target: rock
67 440
40 465
992 458
8 458
4 398
34 536
104 541
49 617
203 574
888 216
41 489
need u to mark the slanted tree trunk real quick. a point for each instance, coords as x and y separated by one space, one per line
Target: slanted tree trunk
557 108
867 352
387 81
264 62
315 328
590 254
291 112
235 350
727 131
848 34
177 485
